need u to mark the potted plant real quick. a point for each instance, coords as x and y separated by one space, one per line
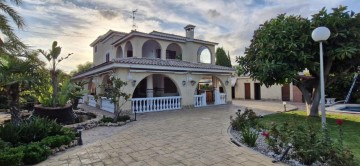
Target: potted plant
53 97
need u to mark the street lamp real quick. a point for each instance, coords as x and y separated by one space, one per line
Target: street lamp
321 34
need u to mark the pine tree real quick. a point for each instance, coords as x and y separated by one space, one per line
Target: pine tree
221 57
229 59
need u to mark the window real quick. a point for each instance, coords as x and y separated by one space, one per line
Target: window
95 49
170 54
158 53
107 57
129 53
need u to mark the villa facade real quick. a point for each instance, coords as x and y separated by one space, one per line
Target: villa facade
163 71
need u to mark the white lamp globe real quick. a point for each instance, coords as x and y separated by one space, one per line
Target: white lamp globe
320 34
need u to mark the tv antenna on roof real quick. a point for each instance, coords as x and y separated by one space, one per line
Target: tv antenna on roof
133 19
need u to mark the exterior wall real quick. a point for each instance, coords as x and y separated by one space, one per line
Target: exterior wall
189 49
297 95
271 93
186 91
103 48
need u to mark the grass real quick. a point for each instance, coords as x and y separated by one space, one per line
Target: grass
351 126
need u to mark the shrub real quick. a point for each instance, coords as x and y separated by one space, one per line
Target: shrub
123 118
248 118
35 153
56 141
107 119
249 136
32 130
4 144
11 156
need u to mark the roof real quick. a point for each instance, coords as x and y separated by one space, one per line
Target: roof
107 34
161 35
170 63
156 65
189 26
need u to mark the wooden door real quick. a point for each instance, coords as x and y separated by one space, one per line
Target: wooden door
285 92
247 91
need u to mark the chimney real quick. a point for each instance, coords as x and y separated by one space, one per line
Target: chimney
189 30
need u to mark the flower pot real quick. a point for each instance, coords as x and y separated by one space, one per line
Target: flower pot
63 115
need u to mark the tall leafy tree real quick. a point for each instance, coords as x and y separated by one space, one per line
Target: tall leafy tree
222 58
12 43
81 67
282 47
229 59
17 75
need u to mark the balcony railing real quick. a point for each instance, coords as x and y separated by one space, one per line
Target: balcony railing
92 101
140 105
106 105
200 100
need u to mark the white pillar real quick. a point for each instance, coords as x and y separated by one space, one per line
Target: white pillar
149 86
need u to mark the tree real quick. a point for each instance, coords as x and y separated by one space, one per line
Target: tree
238 70
17 75
222 58
12 43
52 56
81 68
229 59
116 94
283 47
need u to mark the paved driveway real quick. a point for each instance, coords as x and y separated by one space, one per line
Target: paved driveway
183 137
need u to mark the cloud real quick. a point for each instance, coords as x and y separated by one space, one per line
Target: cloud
213 13
231 23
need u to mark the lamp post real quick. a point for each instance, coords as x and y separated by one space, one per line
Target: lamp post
321 34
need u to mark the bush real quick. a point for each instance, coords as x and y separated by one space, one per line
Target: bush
35 153
107 119
248 118
32 130
4 144
249 136
56 141
123 118
11 156
310 143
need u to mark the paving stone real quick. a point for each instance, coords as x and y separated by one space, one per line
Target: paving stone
184 137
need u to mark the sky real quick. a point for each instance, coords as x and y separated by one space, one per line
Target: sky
77 23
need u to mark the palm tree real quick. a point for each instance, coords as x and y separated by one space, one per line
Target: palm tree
12 42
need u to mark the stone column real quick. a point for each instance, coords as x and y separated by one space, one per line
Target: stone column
149 86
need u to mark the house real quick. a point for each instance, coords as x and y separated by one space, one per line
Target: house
245 87
163 71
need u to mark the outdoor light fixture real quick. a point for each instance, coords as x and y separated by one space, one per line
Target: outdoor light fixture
133 82
226 82
184 83
192 82
321 34
79 129
284 103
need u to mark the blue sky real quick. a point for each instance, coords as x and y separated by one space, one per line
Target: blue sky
231 23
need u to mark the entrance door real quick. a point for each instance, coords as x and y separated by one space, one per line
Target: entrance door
285 92
247 91
257 91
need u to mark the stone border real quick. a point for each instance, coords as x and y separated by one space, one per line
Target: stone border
337 108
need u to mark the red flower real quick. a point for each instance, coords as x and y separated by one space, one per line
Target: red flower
265 134
339 122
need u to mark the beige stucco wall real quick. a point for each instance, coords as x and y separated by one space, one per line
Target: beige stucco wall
189 49
103 48
187 92
267 93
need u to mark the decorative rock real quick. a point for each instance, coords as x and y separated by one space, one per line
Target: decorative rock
127 121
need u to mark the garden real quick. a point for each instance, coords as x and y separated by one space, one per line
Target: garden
299 139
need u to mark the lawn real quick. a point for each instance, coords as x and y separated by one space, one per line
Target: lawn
351 126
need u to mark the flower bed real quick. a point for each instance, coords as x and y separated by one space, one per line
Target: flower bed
305 142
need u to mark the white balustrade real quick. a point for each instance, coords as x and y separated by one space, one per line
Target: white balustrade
222 98
106 105
82 100
92 101
200 100
153 104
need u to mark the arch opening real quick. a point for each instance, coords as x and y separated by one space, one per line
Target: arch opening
204 55
151 49
173 51
210 85
119 52
92 87
129 49
162 86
